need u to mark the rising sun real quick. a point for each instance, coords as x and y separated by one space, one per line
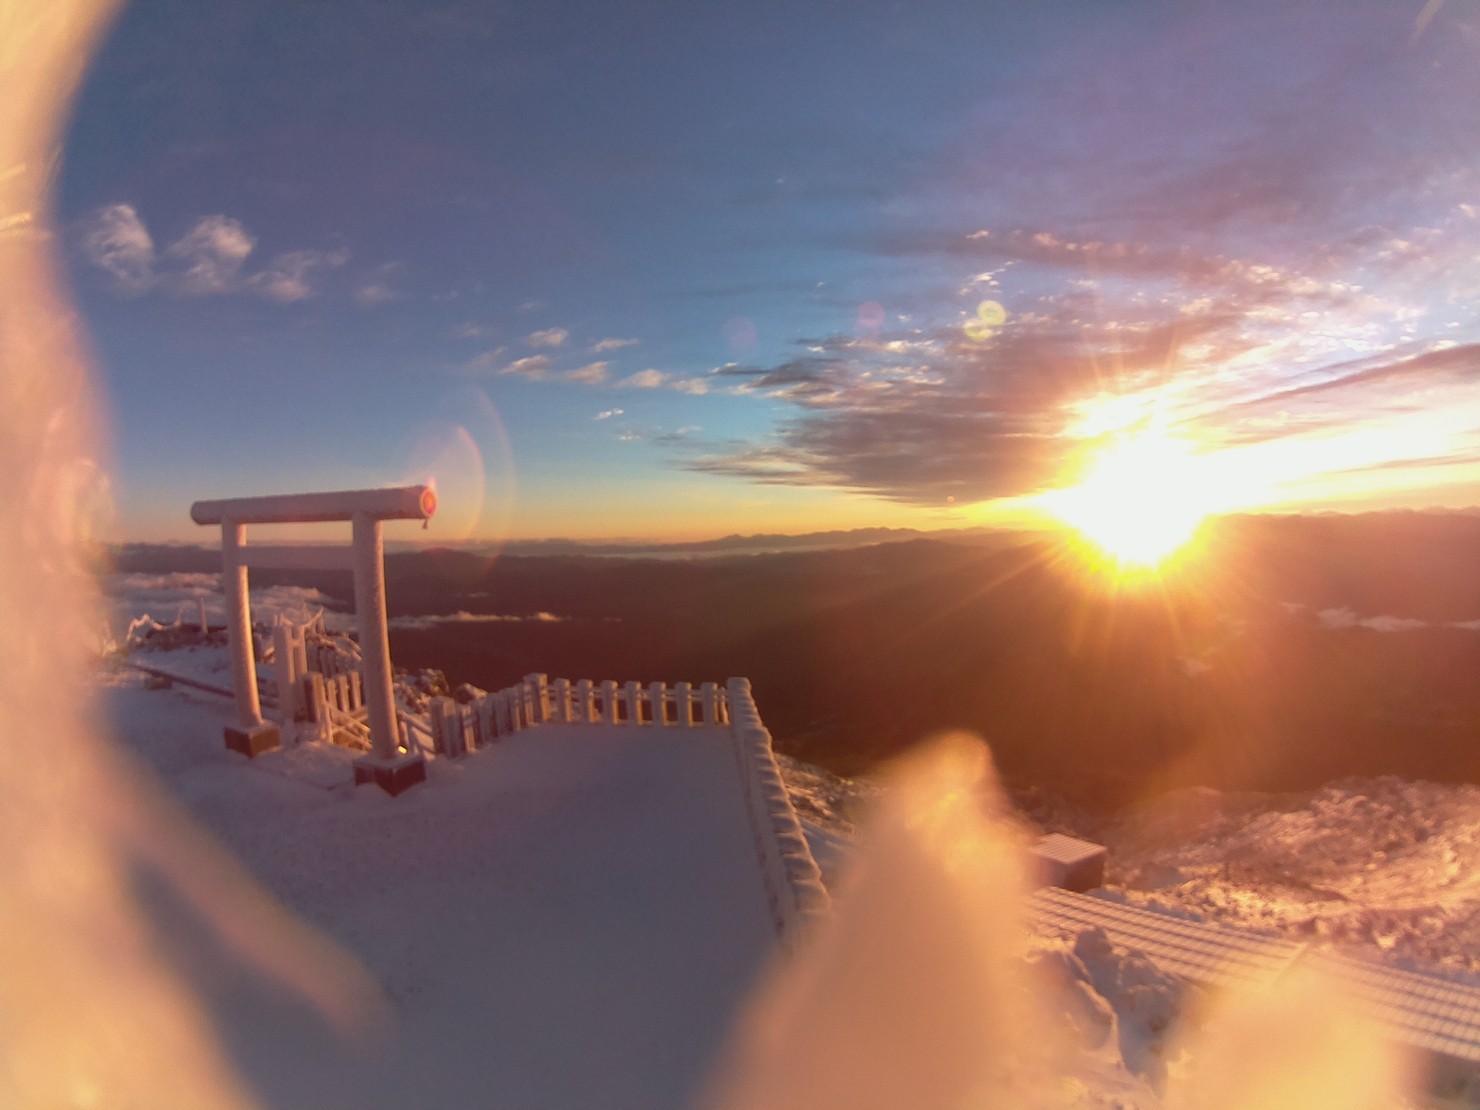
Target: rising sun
1141 500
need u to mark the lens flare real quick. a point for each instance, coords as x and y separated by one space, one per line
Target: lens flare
463 450
989 318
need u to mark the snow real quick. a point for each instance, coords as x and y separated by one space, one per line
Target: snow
575 910
1380 871
574 917
1382 866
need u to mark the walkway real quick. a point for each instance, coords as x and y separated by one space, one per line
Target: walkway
1424 1011
576 909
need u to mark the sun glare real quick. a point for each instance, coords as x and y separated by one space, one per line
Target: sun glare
1140 501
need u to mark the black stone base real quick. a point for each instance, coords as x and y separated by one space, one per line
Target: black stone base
393 777
253 741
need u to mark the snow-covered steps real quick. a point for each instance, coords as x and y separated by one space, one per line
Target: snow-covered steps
1424 1011
1195 950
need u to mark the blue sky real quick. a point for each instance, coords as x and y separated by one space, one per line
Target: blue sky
679 270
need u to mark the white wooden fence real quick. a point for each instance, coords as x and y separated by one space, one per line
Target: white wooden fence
319 689
459 728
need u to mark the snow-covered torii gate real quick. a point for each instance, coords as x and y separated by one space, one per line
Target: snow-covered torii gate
365 509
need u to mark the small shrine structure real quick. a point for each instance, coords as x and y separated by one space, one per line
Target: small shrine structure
365 510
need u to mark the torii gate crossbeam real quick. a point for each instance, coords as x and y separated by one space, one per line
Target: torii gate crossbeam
365 509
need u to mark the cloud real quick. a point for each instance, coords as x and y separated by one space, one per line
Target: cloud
1225 348
533 367
288 278
423 623
644 379
116 241
604 345
373 293
549 337
607 414
923 417
795 378
487 362
593 373
214 250
1347 618
695 387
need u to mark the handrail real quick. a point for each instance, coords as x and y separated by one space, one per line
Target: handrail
183 680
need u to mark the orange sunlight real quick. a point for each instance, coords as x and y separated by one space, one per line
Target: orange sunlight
1141 500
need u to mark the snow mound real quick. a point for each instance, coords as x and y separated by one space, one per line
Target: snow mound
1383 865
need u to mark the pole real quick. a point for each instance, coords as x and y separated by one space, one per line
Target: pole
375 651
239 624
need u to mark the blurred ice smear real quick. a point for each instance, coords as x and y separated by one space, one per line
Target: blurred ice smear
921 991
89 1014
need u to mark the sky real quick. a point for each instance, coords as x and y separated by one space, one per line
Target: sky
675 271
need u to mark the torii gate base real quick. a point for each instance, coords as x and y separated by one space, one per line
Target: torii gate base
392 777
386 765
254 741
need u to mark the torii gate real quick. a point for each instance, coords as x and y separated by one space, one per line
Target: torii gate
365 509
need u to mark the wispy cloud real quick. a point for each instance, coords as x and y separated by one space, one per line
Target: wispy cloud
644 379
488 362
210 260
607 414
213 250
549 337
533 367
289 278
602 346
593 373
375 288
115 240
372 293
422 623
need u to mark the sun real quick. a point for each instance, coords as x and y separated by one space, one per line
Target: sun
1141 500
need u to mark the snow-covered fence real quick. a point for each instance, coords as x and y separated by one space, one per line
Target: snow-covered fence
318 681
794 888
460 728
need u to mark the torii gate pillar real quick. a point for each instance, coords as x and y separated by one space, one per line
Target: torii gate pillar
386 765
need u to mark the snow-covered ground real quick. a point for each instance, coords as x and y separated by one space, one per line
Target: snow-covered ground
570 918
549 924
1382 866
